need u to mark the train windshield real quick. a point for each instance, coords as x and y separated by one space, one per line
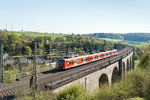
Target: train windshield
60 62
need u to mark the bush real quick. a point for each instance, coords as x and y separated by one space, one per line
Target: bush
146 88
136 84
104 93
42 95
75 92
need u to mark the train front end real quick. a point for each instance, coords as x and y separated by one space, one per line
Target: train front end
61 64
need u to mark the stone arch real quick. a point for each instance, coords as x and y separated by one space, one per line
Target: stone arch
115 75
128 65
123 68
103 80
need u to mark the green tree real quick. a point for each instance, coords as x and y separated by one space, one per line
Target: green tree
80 52
28 50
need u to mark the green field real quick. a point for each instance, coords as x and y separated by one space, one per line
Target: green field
134 44
38 34
112 40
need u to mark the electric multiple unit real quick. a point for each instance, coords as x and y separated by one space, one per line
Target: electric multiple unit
76 61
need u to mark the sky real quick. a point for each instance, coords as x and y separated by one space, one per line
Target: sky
76 16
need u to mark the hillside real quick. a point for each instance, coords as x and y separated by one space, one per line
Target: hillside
136 37
105 35
37 34
22 43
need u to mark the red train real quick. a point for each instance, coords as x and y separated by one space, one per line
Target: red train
76 61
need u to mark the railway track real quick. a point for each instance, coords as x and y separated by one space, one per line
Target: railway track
55 78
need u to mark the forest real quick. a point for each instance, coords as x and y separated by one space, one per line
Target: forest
18 45
137 37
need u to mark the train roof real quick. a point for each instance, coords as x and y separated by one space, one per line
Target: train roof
89 55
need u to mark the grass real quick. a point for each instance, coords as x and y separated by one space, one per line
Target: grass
134 44
112 40
10 75
137 62
38 34
11 72
137 98
42 95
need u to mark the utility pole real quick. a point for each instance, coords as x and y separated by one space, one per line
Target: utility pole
34 76
2 63
6 27
11 28
67 50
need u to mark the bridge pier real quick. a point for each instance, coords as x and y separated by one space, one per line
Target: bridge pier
133 58
121 71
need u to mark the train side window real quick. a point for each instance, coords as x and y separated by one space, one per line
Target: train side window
82 60
66 62
72 62
69 63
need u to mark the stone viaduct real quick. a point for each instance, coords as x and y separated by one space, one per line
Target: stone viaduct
108 74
